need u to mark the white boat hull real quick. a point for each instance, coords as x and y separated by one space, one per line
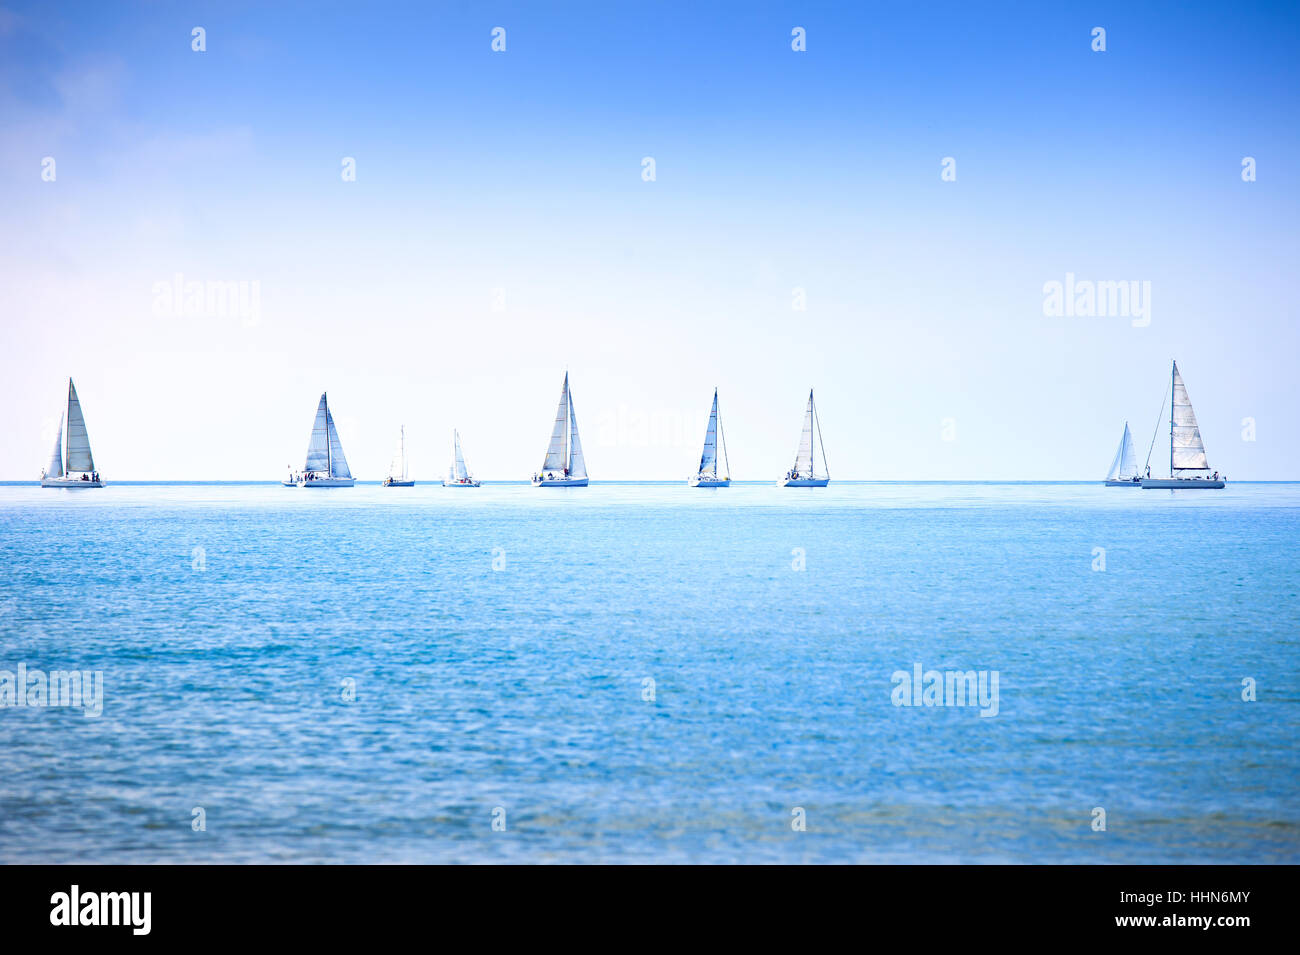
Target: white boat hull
1183 484
803 482
709 482
1133 483
559 482
460 483
328 482
70 483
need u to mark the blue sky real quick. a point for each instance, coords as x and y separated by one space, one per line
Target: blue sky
499 230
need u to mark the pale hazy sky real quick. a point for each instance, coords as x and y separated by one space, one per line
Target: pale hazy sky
521 171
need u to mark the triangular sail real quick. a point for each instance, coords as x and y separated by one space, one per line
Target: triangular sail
709 458
55 467
557 453
78 457
397 468
1125 466
459 470
318 455
577 464
803 461
338 463
1187 451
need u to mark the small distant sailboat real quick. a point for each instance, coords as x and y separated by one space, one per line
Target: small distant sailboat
1189 468
707 475
458 474
1124 469
804 473
564 465
397 470
326 465
80 463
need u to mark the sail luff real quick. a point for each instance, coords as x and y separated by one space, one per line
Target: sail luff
78 456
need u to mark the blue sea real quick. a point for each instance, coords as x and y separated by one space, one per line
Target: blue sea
653 673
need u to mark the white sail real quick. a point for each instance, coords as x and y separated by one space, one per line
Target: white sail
577 464
397 468
1187 451
709 458
338 462
318 453
78 457
557 453
1125 466
55 467
459 472
803 460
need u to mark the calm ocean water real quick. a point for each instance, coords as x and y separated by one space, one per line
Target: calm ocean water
227 618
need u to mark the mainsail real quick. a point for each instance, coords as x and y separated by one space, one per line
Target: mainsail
577 464
397 469
338 463
78 457
1186 450
557 454
1125 466
318 451
459 472
709 458
803 461
55 467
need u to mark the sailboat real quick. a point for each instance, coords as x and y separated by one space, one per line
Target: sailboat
458 474
1124 469
75 454
564 465
707 475
1189 468
397 470
804 472
325 466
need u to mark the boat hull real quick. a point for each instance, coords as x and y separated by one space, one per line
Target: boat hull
75 484
460 483
559 482
709 482
804 482
329 482
1183 484
399 484
1133 483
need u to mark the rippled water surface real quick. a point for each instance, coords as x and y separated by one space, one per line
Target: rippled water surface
226 620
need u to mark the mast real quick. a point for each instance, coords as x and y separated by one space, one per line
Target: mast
403 445
568 412
329 452
67 431
1173 401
